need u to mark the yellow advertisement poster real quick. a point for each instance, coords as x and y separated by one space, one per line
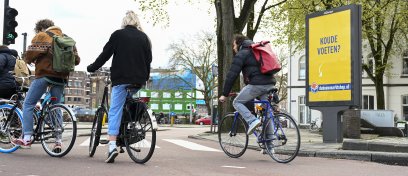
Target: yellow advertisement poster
330 57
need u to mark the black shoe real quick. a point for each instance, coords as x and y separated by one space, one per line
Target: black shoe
111 157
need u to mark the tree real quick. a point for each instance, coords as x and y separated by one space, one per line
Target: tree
227 24
197 55
383 22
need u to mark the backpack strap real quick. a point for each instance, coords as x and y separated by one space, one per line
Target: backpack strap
50 33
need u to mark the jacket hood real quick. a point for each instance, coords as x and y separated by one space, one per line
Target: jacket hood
54 29
246 44
9 51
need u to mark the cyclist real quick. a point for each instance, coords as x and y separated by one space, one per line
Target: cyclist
40 53
132 56
7 63
257 83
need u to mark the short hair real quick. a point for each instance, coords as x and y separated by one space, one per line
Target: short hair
239 38
132 20
43 24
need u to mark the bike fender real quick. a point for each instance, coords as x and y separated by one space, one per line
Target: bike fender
153 119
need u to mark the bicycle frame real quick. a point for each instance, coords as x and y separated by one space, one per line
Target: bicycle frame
264 118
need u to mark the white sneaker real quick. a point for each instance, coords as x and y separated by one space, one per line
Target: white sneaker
256 123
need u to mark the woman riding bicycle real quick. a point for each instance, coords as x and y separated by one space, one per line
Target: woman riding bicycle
132 56
40 53
257 83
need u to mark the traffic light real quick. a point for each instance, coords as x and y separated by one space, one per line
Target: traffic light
10 24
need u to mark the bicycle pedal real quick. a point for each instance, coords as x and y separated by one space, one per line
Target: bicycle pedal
103 141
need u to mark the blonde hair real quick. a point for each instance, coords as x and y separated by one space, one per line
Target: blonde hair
132 20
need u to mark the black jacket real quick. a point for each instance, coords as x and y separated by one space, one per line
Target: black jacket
132 56
245 61
7 63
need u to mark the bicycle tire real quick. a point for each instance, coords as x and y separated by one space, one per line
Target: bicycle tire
13 130
285 138
59 120
96 130
136 131
313 127
233 143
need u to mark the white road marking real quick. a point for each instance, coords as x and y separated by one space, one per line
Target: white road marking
191 145
235 167
86 143
139 144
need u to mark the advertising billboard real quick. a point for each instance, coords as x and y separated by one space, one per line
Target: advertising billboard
333 57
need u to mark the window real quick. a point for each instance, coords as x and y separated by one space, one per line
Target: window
154 106
143 94
405 63
166 106
179 95
154 94
188 107
166 95
178 107
304 111
405 107
368 102
302 68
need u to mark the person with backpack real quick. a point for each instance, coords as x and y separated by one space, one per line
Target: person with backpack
7 63
132 56
257 83
40 52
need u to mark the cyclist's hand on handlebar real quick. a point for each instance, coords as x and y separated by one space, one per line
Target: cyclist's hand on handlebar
90 68
222 98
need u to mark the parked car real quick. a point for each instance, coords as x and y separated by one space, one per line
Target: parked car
203 121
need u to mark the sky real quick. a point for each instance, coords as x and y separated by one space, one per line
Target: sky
91 22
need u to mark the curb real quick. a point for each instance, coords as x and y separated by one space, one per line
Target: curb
355 151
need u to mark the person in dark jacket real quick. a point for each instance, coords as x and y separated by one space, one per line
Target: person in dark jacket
132 56
7 63
257 83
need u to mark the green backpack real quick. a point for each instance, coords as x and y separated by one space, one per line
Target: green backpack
63 59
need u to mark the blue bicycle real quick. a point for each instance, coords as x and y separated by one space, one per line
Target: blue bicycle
278 135
52 123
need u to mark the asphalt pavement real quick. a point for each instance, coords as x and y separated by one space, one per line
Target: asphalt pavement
370 147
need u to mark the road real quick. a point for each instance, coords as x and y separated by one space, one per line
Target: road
176 154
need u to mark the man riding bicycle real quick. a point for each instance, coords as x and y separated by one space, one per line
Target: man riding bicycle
132 56
257 83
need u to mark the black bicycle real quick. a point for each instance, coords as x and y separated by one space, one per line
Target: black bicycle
137 130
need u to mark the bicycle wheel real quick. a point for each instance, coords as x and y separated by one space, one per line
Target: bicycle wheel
96 130
283 138
58 130
12 130
232 136
140 138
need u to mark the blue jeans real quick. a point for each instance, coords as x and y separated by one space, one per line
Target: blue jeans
118 97
249 93
37 88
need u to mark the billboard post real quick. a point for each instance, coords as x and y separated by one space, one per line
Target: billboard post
333 65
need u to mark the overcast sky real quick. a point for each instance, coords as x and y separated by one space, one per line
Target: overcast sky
91 22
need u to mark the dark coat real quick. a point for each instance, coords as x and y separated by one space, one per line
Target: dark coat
7 63
245 61
132 56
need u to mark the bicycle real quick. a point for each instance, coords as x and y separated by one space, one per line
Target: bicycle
313 126
278 130
137 132
51 123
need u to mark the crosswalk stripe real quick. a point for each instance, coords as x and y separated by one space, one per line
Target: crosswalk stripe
86 143
140 143
191 145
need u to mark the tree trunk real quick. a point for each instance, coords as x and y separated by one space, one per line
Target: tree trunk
379 90
220 54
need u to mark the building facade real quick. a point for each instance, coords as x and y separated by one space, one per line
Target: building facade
395 87
76 94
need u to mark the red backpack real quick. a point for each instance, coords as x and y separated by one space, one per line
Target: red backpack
267 59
